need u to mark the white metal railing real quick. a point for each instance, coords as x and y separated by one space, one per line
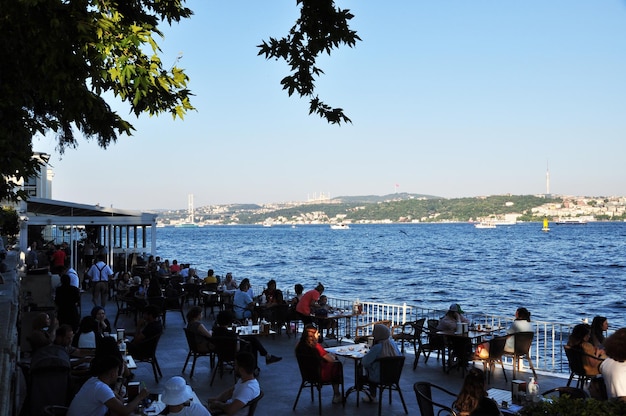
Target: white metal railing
546 351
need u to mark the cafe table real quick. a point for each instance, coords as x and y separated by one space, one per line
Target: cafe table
252 330
461 345
354 352
130 362
337 316
504 400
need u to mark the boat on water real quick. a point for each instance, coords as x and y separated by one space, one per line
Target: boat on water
571 221
485 224
546 226
339 227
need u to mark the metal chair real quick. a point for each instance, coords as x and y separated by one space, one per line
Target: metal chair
409 331
574 393
522 341
226 350
125 306
575 358
145 352
252 404
496 350
390 373
311 372
423 394
174 303
434 342
55 410
193 351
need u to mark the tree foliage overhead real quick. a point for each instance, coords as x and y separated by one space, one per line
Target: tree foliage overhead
320 28
61 56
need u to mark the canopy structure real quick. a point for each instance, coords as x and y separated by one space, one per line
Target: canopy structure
120 232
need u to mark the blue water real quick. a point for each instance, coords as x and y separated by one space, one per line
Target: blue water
569 273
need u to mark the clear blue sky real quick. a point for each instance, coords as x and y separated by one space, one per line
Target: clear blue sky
450 98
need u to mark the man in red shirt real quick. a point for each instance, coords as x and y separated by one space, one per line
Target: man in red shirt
58 260
308 301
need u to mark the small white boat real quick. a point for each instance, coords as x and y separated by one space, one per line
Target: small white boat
339 227
571 221
485 224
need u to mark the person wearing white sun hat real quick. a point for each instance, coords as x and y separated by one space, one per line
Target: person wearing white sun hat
176 397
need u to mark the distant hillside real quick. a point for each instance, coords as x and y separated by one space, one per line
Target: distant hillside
374 199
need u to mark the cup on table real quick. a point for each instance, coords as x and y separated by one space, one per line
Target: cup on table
120 334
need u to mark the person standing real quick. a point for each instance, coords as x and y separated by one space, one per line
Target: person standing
308 303
100 274
67 298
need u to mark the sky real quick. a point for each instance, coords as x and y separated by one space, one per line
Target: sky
453 98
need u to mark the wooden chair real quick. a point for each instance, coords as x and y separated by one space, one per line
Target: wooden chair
522 341
390 373
311 372
423 394
193 351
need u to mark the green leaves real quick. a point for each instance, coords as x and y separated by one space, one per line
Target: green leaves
320 28
60 57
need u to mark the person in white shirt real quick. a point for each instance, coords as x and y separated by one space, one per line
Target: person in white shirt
613 368
177 395
96 398
232 401
100 274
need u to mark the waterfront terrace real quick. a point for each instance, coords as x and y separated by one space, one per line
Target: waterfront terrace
280 381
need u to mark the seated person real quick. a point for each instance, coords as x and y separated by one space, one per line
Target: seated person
473 399
448 322
384 346
123 284
229 282
243 304
599 326
613 368
103 326
579 341
174 268
96 397
210 278
86 335
43 332
62 349
142 291
322 311
298 289
250 343
197 328
176 397
232 401
520 324
332 370
268 296
149 327
164 269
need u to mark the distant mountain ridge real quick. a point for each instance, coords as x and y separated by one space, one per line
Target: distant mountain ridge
373 199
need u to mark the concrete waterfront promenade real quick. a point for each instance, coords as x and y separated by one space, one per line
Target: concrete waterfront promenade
279 381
